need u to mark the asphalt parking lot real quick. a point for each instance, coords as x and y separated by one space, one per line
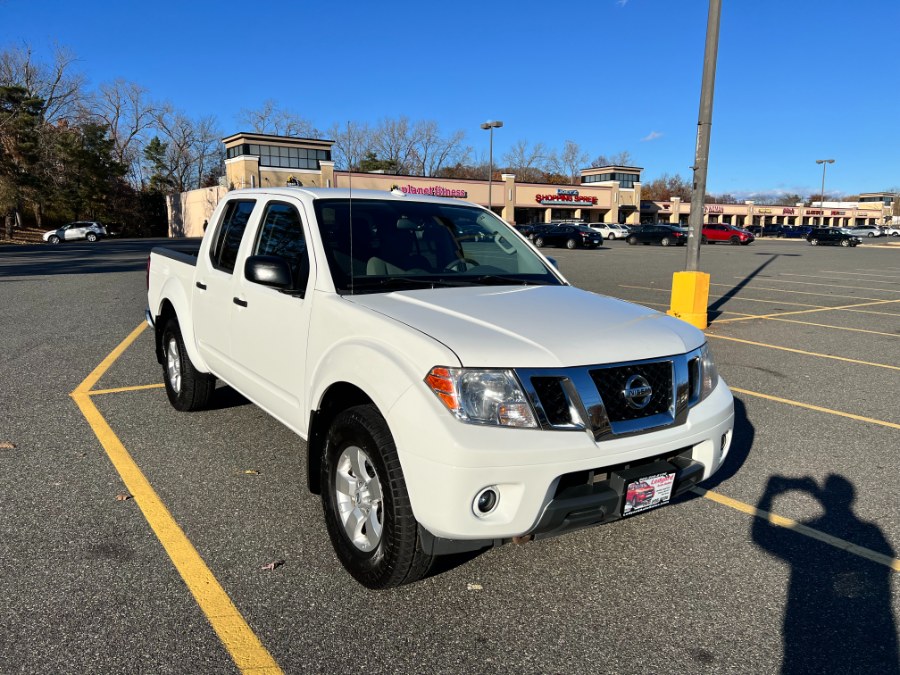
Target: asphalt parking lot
786 561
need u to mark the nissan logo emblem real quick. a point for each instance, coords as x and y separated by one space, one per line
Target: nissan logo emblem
637 392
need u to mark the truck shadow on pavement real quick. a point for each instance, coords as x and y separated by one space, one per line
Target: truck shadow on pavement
838 616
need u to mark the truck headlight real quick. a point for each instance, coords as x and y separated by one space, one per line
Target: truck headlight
709 376
482 396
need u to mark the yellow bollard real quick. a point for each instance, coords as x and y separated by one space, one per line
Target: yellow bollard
690 297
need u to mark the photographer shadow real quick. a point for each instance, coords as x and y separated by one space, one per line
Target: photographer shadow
838 616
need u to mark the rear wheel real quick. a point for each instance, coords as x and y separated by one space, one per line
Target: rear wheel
188 389
91 237
367 509
54 239
610 236
845 242
538 242
814 242
735 240
704 240
571 243
666 241
632 240
871 234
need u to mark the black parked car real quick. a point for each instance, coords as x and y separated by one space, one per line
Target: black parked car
796 232
767 230
531 229
570 236
831 236
667 235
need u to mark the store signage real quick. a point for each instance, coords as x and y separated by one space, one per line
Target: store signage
666 206
565 199
788 211
838 213
815 212
713 209
434 190
764 210
567 192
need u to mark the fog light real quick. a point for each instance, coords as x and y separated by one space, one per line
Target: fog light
485 501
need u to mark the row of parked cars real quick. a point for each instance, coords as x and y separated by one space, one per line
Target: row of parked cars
802 231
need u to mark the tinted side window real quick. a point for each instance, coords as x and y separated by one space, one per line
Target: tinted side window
234 222
281 234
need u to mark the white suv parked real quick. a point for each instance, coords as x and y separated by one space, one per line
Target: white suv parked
83 229
610 230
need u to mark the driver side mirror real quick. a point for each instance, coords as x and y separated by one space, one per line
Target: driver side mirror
268 270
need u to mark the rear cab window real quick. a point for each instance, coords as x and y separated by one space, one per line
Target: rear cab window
224 251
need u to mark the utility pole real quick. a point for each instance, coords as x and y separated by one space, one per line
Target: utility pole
690 289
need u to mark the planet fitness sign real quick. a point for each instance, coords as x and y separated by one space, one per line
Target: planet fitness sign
434 191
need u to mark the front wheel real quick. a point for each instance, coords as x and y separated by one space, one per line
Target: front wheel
845 242
571 243
632 240
366 504
54 239
814 242
91 237
704 240
610 236
735 241
188 389
538 242
871 234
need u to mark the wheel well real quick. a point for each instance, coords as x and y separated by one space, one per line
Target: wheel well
338 397
166 312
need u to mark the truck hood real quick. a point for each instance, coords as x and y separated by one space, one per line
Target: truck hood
535 326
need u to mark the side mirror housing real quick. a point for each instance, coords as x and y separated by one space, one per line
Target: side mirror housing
268 270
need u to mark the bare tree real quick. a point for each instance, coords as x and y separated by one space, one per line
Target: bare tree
125 109
569 162
395 142
529 164
271 119
60 89
192 147
352 142
433 152
619 159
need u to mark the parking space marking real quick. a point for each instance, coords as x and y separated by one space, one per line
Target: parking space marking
848 308
785 290
800 528
242 644
817 408
817 276
119 390
831 285
805 353
866 274
734 297
826 325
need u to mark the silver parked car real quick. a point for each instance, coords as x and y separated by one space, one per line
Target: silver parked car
864 231
82 229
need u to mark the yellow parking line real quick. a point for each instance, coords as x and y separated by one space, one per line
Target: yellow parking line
784 290
119 390
805 353
848 308
245 648
665 304
817 408
826 325
770 302
800 528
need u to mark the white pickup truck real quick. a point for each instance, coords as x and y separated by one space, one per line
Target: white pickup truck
454 391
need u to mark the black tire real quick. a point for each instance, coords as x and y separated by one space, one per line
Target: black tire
54 239
845 242
665 241
871 234
188 389
704 240
395 557
610 236
571 243
814 242
632 240
538 242
91 237
735 241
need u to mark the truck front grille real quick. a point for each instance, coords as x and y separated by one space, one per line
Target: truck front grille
608 400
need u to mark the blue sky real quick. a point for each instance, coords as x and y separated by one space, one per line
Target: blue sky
797 80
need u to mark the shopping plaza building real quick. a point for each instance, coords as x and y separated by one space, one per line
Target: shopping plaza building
609 194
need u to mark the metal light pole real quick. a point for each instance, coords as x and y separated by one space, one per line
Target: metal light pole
690 289
491 125
824 163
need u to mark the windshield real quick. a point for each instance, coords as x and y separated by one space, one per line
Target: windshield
399 245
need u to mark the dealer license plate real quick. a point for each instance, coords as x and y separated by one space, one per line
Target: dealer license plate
647 493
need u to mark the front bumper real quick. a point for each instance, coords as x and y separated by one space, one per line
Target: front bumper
548 482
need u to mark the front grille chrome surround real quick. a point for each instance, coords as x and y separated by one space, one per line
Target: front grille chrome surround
592 398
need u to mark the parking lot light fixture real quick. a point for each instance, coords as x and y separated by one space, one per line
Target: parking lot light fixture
824 163
490 125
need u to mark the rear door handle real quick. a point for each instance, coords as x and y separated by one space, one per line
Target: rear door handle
200 285
238 301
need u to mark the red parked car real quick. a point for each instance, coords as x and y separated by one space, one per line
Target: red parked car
639 494
715 232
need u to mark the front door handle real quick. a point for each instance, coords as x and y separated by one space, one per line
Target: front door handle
200 285
238 301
